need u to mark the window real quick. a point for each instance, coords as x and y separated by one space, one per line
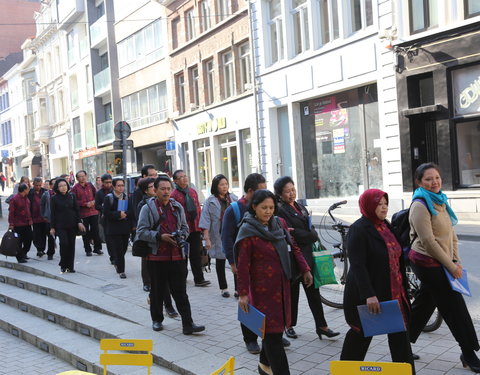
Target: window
423 15
77 134
205 23
246 145
142 48
329 20
209 82
228 75
203 153
71 48
51 109
472 8
6 129
189 24
73 92
100 10
61 108
104 61
4 102
185 157
175 34
89 83
468 138
194 88
144 107
301 33
275 31
180 89
223 9
245 67
361 14
229 159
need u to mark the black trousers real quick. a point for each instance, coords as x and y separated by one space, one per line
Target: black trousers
91 225
26 235
145 274
195 241
119 245
356 345
67 239
435 291
273 354
220 269
314 301
102 228
41 232
172 273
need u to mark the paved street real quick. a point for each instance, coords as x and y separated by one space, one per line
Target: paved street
307 355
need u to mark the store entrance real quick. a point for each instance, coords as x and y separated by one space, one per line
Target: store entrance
423 141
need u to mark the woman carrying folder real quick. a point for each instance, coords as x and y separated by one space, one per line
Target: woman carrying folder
264 270
434 248
377 273
118 217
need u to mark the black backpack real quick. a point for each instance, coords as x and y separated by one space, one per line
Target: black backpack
401 226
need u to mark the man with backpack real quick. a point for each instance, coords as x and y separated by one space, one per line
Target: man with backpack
231 219
85 193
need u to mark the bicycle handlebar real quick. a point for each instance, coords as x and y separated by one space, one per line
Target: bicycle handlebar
336 205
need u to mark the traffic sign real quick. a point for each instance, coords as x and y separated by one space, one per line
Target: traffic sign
122 126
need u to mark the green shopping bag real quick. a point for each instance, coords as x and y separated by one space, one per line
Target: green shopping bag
323 269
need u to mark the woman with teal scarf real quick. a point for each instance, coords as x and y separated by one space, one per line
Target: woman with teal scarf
434 249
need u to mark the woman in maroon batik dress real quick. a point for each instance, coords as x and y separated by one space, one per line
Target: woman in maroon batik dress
264 261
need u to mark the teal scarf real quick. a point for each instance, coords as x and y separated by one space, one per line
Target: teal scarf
438 198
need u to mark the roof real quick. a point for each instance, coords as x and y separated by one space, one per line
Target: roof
7 62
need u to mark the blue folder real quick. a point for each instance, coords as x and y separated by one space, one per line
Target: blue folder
459 285
389 320
254 320
122 205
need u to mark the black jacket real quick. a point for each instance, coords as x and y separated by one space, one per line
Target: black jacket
64 211
99 198
369 273
115 225
31 195
303 236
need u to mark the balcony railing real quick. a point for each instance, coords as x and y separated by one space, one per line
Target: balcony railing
105 132
98 31
101 82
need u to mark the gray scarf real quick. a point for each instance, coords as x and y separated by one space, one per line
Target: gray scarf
251 227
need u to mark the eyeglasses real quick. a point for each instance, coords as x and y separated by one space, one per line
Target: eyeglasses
117 185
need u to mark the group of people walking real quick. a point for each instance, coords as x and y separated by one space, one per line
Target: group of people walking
267 239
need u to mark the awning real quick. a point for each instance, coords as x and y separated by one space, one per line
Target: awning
31 160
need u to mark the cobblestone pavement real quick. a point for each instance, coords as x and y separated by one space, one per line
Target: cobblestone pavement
19 357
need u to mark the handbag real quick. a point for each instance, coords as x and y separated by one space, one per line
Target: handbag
10 245
323 272
141 248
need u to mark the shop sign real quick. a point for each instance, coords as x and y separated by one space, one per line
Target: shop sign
466 90
89 152
212 126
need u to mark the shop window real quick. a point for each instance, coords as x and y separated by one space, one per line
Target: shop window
189 24
420 90
301 32
229 158
203 153
275 31
205 22
472 8
423 15
180 91
468 139
330 29
341 144
185 157
246 144
228 75
209 81
194 88
245 67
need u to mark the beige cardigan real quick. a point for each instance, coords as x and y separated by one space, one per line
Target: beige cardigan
436 237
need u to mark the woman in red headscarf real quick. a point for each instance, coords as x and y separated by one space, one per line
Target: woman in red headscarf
377 273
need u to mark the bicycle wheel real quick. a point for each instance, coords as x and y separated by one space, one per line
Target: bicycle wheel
332 294
434 323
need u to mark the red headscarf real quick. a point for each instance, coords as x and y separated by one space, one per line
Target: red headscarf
368 203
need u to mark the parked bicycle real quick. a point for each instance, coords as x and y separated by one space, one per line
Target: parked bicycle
332 294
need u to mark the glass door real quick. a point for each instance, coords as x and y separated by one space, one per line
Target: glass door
229 159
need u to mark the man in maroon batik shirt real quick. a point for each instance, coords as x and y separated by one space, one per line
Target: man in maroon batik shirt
85 193
20 220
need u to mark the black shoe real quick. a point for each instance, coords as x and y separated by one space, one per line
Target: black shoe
63 270
415 357
157 326
22 260
473 365
146 288
193 329
285 342
40 254
50 257
98 252
235 294
171 312
225 293
70 270
203 283
252 347
88 253
122 275
328 332
26 257
290 332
